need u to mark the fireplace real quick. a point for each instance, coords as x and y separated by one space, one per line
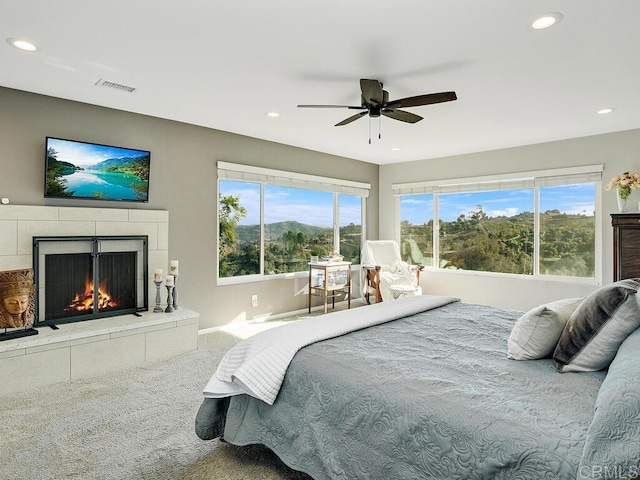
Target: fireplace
82 278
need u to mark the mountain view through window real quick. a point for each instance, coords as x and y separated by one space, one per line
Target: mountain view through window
298 223
494 231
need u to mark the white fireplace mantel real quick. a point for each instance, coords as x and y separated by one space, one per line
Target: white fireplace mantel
90 347
20 223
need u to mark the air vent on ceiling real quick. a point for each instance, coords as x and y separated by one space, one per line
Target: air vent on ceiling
117 86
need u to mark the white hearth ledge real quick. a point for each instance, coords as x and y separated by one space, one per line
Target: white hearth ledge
88 348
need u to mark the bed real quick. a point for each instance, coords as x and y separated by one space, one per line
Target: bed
430 394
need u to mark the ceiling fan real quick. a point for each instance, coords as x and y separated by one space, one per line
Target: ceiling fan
375 102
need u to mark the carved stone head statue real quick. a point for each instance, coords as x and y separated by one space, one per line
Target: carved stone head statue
17 302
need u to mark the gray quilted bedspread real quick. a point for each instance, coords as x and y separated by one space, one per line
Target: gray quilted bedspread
612 448
430 396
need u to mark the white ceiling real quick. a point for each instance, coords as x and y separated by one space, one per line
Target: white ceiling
224 64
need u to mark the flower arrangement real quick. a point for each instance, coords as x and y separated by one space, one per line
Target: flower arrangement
624 183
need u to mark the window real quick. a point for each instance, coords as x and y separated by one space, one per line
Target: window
489 231
239 233
298 223
567 230
543 223
416 229
350 221
271 222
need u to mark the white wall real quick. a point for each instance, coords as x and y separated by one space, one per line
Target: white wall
618 152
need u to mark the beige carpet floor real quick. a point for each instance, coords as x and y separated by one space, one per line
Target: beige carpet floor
135 424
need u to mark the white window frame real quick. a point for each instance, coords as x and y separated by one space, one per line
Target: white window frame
528 179
268 176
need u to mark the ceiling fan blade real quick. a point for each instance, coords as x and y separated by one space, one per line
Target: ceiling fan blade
351 119
353 107
401 115
371 91
419 100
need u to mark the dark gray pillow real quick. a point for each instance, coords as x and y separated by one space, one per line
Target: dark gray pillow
598 326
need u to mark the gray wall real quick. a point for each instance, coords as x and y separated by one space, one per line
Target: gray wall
618 152
183 181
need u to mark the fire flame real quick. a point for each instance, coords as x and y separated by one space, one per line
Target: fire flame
84 301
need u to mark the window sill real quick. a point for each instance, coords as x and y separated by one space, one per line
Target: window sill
266 278
536 278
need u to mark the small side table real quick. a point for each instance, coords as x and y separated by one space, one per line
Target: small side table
329 280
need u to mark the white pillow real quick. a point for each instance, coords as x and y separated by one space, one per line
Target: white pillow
599 325
536 333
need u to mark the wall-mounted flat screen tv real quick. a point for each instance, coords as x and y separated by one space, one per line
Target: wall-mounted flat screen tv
85 170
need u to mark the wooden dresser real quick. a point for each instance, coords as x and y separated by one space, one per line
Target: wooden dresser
626 245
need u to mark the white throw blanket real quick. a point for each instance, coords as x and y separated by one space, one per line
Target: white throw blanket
257 365
394 272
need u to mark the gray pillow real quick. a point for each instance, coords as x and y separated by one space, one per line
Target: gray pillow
599 325
536 333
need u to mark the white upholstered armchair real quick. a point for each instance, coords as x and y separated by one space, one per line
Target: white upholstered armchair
386 275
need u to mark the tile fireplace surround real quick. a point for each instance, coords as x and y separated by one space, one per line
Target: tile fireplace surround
90 347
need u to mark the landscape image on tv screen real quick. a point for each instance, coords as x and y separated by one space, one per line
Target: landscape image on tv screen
101 172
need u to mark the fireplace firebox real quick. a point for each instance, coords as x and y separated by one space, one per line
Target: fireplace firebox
82 278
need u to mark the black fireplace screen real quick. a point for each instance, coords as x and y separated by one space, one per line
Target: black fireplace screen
71 288
93 277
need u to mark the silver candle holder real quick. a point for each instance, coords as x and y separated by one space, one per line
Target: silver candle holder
158 307
169 308
175 291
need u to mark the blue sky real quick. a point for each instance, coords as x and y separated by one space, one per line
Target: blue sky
573 199
87 154
283 204
316 207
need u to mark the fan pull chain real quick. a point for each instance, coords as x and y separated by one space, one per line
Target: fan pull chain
379 128
369 130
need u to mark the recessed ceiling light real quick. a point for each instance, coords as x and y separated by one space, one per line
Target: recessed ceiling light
395 149
604 111
22 44
547 20
272 114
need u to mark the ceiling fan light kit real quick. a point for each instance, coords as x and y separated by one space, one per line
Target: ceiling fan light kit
375 102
